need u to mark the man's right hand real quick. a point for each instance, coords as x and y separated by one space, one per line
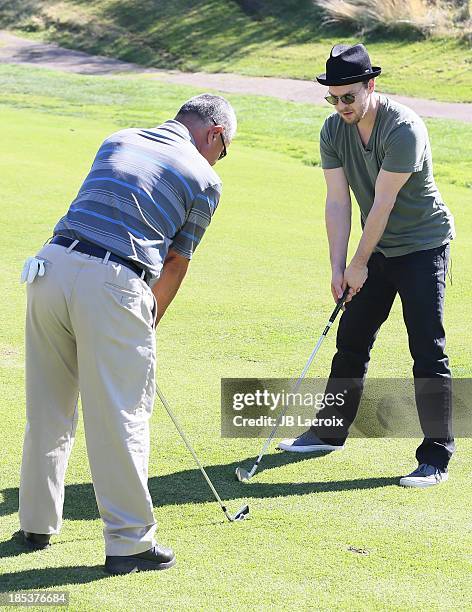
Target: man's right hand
337 284
172 274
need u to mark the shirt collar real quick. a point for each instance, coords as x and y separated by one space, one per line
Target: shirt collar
181 129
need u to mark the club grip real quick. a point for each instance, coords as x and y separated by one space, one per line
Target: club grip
339 305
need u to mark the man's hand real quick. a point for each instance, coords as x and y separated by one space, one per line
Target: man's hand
172 274
337 284
387 186
355 276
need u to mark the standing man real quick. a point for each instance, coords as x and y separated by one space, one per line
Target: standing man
115 263
380 150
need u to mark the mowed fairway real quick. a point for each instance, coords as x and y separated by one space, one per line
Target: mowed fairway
329 533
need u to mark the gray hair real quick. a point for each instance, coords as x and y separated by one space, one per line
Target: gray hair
208 108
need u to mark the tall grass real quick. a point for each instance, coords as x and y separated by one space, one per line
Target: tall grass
400 16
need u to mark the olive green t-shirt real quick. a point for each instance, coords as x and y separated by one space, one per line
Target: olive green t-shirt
399 143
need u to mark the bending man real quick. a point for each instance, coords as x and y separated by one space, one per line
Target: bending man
115 263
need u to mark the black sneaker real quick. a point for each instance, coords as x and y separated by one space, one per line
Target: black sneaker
308 442
156 558
424 476
34 541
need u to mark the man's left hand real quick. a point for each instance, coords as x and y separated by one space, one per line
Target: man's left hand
355 276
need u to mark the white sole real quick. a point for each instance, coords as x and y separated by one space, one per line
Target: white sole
421 483
287 445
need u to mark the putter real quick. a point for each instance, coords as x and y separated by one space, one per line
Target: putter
244 475
243 512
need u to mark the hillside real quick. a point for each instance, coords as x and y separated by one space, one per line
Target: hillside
279 38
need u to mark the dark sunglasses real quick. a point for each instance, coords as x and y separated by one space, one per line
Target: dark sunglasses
345 99
223 152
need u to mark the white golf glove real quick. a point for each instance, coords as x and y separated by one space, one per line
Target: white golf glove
33 267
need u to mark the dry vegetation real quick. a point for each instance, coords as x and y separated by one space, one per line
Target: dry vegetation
409 16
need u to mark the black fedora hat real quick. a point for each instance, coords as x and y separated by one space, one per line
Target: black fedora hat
348 64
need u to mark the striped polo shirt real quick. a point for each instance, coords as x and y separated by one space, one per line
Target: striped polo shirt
148 190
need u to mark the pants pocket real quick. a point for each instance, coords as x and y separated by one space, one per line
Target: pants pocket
137 304
128 298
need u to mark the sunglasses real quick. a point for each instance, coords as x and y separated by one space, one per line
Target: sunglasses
223 152
348 98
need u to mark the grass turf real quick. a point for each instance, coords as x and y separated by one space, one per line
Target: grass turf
280 38
329 533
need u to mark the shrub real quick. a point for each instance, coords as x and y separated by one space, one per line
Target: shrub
399 16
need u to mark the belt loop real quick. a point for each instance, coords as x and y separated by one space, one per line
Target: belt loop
107 257
72 246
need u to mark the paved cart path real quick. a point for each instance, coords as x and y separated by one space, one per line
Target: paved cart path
16 50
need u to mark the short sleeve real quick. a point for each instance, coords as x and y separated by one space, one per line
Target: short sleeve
198 219
329 157
405 148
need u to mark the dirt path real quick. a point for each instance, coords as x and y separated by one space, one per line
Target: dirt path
15 50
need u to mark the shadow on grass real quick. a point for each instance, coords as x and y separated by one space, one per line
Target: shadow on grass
188 487
165 33
51 577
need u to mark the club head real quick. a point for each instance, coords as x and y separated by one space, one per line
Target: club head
241 514
242 475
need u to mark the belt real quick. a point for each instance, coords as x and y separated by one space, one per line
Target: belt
96 251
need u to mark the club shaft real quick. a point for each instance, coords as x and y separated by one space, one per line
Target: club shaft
296 386
294 389
190 448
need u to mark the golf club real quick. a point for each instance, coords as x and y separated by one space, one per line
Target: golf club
243 512
243 475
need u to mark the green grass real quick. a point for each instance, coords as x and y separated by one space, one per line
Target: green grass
282 38
272 125
258 287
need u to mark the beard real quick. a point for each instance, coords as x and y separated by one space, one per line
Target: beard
352 116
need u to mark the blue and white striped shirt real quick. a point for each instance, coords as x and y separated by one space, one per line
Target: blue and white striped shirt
148 190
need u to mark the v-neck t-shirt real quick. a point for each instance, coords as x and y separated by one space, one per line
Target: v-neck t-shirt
399 142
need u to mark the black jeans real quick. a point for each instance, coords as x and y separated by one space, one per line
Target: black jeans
420 280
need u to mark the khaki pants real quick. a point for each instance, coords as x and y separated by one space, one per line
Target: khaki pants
89 327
